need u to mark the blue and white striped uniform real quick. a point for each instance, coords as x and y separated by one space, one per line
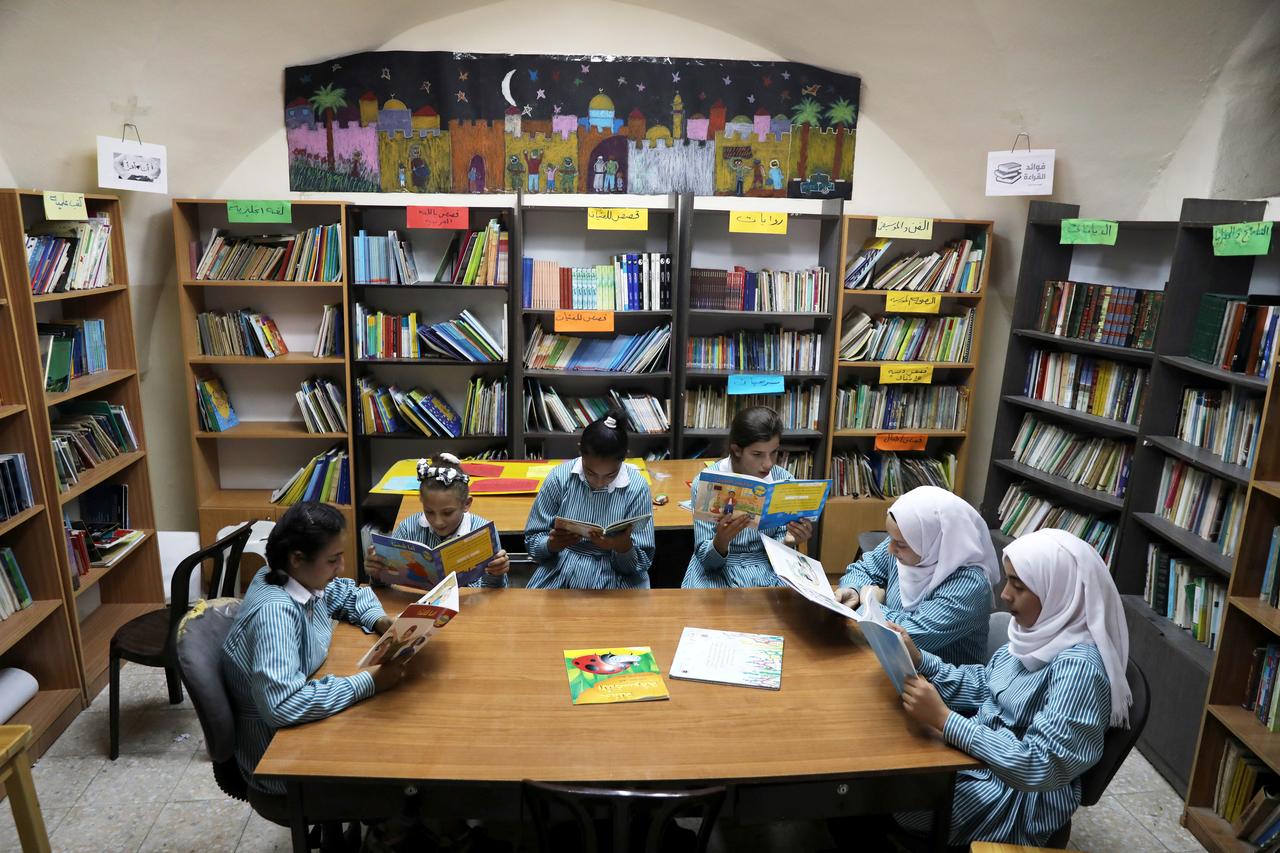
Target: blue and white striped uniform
582 565
951 622
746 563
416 528
279 638
1036 731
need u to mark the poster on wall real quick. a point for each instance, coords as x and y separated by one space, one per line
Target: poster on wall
133 166
437 122
1020 172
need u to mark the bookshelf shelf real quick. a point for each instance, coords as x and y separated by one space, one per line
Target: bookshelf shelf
1199 368
97 573
1203 459
1180 639
700 373
577 433
1185 540
20 624
289 359
1214 832
663 375
936 365
271 285
76 294
1268 487
1087 347
87 384
1091 498
1092 422
788 435
14 521
8 410
618 315
250 500
100 474
1250 731
277 430
417 436
454 288
432 362
872 433
1257 610
759 315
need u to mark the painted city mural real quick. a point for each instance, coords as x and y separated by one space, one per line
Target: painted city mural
435 122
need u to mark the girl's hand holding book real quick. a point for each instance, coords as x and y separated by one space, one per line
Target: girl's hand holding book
558 540
728 526
499 565
619 542
800 530
374 565
387 675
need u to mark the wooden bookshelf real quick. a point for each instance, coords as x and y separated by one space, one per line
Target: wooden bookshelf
49 640
846 517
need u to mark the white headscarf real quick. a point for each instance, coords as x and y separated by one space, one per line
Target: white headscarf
1078 604
947 533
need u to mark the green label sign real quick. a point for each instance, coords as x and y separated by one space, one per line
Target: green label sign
1242 238
259 210
1096 232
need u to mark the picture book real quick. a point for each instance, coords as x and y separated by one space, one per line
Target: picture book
586 528
729 657
770 505
617 674
418 565
415 625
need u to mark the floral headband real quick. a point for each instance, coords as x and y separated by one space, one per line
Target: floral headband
441 474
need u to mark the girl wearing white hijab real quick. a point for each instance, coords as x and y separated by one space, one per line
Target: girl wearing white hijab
934 574
1037 713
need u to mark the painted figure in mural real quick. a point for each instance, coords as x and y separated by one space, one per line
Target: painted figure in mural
740 171
775 175
757 175
568 176
534 161
473 175
550 169
418 166
597 169
400 176
357 163
514 172
611 175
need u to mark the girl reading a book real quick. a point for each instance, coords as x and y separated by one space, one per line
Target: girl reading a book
1037 714
934 574
600 488
728 552
445 492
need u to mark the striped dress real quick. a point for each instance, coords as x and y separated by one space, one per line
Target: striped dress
746 564
279 638
951 622
415 528
582 565
1036 731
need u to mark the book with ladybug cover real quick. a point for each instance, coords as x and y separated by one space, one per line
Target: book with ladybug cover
616 674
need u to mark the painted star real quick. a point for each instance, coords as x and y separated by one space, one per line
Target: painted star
810 90
386 73
533 75
586 69
767 81
527 111
337 66
306 78
462 75
751 99
726 80
675 77
542 93
622 81
639 87
555 75
786 75
786 94
425 87
555 110
462 97
577 81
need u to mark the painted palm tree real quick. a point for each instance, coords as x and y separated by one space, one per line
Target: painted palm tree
328 100
806 114
841 115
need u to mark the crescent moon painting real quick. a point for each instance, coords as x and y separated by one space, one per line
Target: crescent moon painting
506 87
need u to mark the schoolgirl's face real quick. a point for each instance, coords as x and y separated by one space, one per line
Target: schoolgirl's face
600 472
898 547
1023 604
756 459
324 566
443 509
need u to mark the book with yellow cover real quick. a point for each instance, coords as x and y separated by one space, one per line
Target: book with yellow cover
617 674
415 564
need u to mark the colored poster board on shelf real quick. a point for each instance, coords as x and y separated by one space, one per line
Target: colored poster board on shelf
906 374
756 383
1242 238
1089 232
434 216
259 210
905 227
897 441
908 302
582 320
59 205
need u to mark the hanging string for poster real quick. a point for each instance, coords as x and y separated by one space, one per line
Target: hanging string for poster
124 129
1014 147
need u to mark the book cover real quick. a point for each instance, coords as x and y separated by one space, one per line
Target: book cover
415 625
770 505
617 674
418 565
729 657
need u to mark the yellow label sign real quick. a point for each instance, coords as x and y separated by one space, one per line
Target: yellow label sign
757 222
64 206
906 374
905 227
617 219
907 302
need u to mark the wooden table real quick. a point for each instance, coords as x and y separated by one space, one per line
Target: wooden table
486 705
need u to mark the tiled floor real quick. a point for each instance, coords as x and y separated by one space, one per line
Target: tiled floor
160 794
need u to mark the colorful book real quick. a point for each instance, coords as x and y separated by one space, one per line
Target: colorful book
617 674
586 528
769 504
418 565
729 657
415 625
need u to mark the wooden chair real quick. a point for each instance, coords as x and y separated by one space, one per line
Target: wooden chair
151 639
638 820
15 773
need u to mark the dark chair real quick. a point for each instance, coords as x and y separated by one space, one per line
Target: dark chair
869 540
151 639
638 820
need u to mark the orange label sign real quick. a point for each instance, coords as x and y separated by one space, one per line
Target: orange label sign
424 216
901 441
581 320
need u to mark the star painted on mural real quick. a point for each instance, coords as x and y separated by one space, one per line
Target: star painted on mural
386 73
542 94
462 97
462 75
555 75
766 80
786 75
727 80
555 110
527 111
751 99
337 66
639 87
533 75
675 77
786 94
622 81
425 87
577 81
306 78
586 69
810 90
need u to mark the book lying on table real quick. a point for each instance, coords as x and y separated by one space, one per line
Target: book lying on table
586 528
729 657
769 504
418 565
806 576
415 625
617 674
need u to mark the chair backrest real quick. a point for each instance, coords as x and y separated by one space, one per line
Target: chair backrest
997 631
225 556
869 540
200 636
1118 742
637 820
257 545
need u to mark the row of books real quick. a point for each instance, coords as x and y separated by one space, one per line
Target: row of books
892 407
15 485
1236 333
386 409
632 282
1022 510
712 407
1209 507
1270 590
329 338
640 353
1185 593
311 255
1225 422
14 593
1246 795
956 268
900 338
244 332
70 349
464 338
397 336
1101 313
1086 384
473 258
323 405
486 409
798 461
66 256
757 350
889 475
213 406
325 478
547 411
740 289
1089 461
86 433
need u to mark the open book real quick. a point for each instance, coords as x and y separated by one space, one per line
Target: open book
415 625
586 528
421 566
806 576
729 657
770 505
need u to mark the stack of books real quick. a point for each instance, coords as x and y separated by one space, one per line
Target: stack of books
84 434
798 461
378 412
383 335
329 339
323 405
1236 333
772 349
1089 461
1093 385
894 407
711 407
326 478
1022 511
213 405
14 594
956 268
486 409
65 256
81 344
1194 500
740 289
547 411
1270 592
400 336
242 332
1246 795
15 485
901 338
311 255
1101 313
464 339
1226 423
427 412
889 475
641 353
1186 593
475 258
857 333
632 282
